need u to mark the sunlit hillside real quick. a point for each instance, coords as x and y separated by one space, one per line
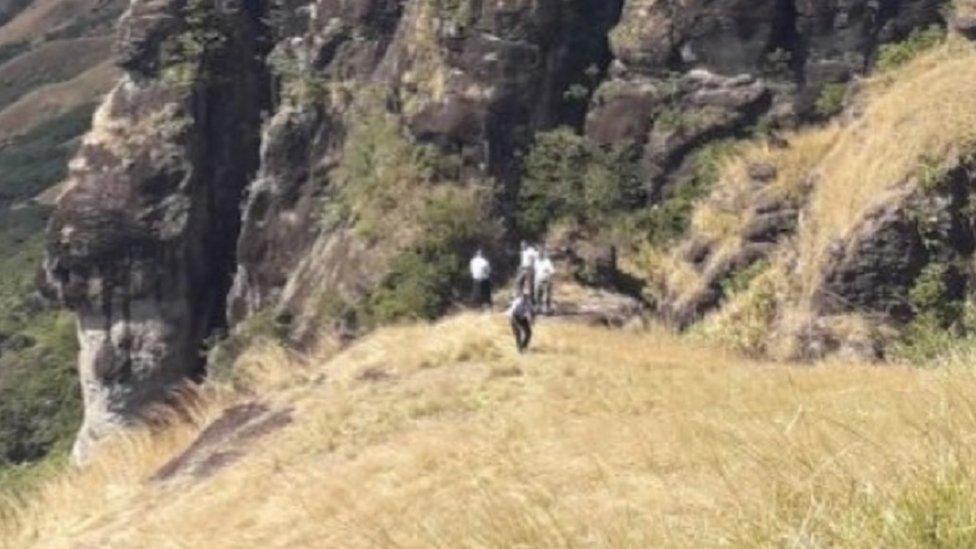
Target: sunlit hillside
442 436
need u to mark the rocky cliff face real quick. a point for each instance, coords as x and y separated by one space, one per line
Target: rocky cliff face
684 76
142 242
184 214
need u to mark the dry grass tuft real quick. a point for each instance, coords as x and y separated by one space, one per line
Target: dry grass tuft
596 438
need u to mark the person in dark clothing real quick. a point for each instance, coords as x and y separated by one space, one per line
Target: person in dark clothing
521 316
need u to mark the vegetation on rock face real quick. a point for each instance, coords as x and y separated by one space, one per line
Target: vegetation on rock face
894 55
187 57
403 196
831 100
298 84
569 178
807 201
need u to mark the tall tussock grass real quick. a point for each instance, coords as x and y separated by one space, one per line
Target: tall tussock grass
441 435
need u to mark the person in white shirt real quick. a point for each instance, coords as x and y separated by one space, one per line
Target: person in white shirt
544 271
481 280
525 280
521 315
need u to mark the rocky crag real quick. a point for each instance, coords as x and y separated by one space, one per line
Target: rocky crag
223 179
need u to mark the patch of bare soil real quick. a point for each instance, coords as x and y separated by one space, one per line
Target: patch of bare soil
224 441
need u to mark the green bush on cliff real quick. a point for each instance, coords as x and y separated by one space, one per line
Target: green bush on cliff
186 57
942 325
661 223
892 56
831 99
424 280
403 197
458 12
298 85
567 177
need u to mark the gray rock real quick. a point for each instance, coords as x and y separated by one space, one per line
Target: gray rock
141 243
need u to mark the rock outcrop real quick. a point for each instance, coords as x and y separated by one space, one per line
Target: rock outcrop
184 214
141 245
683 76
473 79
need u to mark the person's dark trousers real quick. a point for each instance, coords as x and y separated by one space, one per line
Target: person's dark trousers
484 293
522 329
476 292
543 296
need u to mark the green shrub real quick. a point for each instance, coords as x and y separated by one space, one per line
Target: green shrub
299 85
929 295
222 353
831 100
424 280
459 12
931 174
664 222
739 281
40 399
941 324
187 57
381 176
892 56
387 180
923 341
569 178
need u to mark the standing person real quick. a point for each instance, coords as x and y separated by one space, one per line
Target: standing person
525 281
520 315
544 271
481 280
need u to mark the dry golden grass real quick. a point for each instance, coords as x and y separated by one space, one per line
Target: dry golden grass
922 112
906 121
441 436
965 8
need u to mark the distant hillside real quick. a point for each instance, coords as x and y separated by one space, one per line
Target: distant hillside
55 65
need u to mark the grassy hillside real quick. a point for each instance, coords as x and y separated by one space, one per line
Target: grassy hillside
40 405
441 436
903 128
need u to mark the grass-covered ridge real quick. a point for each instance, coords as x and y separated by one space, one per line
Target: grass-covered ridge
597 437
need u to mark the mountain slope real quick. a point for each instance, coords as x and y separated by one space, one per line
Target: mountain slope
401 137
441 435
831 232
